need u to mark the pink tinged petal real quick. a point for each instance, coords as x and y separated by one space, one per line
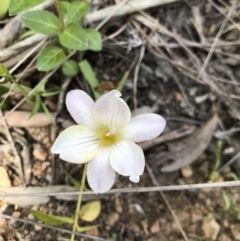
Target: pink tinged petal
143 128
127 159
110 110
100 174
79 105
76 144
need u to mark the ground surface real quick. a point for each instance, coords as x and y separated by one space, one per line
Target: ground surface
166 49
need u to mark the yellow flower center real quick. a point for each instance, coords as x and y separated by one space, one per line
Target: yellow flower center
108 136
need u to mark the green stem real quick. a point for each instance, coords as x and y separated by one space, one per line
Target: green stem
22 90
75 223
60 15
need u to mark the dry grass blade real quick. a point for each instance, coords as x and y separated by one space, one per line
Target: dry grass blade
193 146
136 190
167 203
216 40
53 228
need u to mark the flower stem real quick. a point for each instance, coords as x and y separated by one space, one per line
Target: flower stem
75 223
60 15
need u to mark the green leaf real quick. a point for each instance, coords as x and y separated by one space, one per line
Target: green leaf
122 81
86 228
76 11
50 58
90 211
5 74
65 6
4 8
51 219
51 89
36 106
227 202
41 22
26 34
3 90
233 175
46 110
17 6
16 88
74 37
94 38
213 176
70 68
73 180
90 77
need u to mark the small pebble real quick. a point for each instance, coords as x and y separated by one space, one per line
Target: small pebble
155 228
113 218
187 171
40 154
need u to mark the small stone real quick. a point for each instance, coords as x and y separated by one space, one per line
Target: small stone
210 227
16 214
113 218
5 181
155 228
178 97
31 216
40 154
235 230
224 237
118 205
187 172
37 227
93 231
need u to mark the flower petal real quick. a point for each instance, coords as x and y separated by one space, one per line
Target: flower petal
100 174
127 159
76 144
143 128
79 105
112 111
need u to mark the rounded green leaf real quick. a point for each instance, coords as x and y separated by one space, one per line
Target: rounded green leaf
95 39
70 68
4 8
18 6
74 37
90 211
41 22
76 11
50 58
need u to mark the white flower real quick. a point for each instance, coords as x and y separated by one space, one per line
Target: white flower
105 137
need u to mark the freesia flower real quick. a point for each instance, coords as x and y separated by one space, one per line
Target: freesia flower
105 137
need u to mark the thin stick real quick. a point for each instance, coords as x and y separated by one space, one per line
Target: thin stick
52 228
75 223
167 203
202 70
111 14
141 55
133 6
137 189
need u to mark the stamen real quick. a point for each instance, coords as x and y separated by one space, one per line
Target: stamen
112 131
